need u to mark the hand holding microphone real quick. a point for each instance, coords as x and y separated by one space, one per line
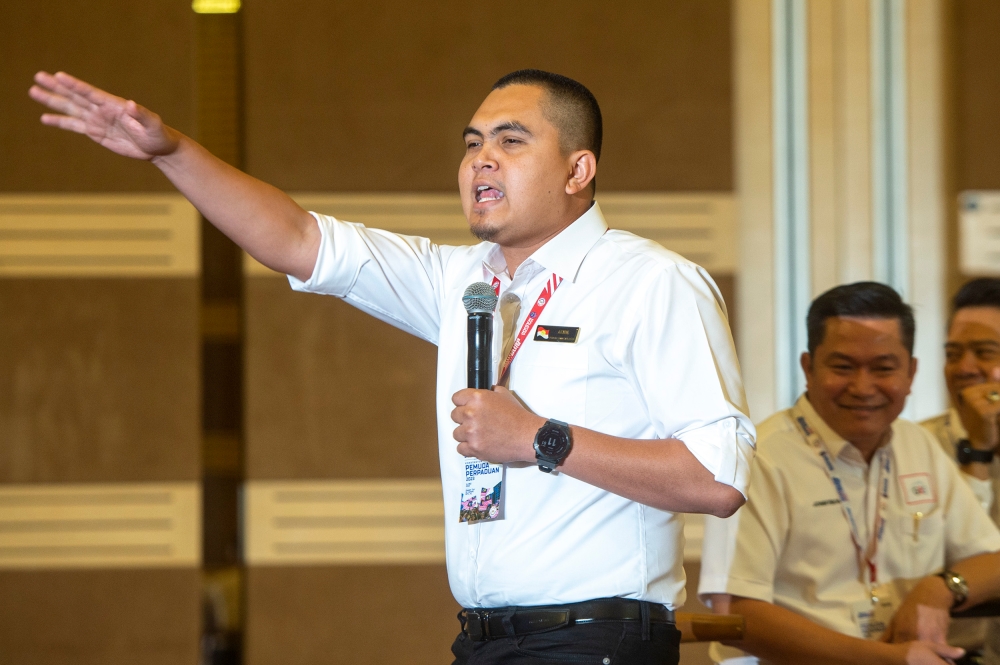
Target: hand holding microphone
492 426
480 300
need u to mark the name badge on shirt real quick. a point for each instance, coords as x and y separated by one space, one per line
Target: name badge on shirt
873 616
556 334
483 496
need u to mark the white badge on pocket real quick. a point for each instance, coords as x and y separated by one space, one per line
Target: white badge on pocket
873 616
483 496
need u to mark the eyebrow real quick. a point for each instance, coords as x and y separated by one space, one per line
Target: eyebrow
974 343
836 355
510 125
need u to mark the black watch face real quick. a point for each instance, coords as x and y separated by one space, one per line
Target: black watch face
552 442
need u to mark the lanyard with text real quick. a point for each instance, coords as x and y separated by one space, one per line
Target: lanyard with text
536 311
866 554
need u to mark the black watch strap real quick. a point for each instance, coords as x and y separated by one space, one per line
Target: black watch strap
548 463
966 454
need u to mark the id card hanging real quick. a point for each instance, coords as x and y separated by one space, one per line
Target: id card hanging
483 492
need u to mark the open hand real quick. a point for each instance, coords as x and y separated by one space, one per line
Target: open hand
493 426
119 125
928 653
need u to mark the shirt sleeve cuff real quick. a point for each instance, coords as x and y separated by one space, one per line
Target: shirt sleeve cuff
725 448
749 589
337 266
983 489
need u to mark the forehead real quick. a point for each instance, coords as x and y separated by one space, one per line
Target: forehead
522 103
862 336
975 323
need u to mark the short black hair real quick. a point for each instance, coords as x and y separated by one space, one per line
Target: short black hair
572 108
865 300
982 292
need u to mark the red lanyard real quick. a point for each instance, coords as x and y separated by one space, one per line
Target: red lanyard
536 311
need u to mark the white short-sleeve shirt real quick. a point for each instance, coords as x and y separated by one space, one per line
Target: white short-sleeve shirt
654 359
791 545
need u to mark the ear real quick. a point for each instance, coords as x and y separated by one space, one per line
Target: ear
582 169
805 361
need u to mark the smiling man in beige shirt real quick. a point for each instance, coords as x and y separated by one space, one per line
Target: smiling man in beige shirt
851 513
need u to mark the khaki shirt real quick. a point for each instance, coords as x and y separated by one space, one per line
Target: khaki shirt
791 544
948 430
971 633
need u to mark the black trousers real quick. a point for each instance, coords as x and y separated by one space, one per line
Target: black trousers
606 643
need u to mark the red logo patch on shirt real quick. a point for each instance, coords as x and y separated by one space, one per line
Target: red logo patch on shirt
917 488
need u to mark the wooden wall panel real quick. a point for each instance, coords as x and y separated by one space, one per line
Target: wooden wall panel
333 393
356 96
356 615
977 94
100 381
100 617
973 87
140 51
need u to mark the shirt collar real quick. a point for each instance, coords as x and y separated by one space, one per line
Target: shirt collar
837 445
564 253
834 442
954 423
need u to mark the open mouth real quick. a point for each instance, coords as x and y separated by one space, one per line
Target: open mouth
486 193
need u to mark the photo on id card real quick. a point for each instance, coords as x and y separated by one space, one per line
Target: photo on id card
483 495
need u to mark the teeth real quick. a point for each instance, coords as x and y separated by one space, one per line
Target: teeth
482 187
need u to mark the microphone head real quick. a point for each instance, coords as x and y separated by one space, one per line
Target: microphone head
479 298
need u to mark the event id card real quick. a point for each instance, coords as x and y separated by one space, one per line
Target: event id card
873 616
483 496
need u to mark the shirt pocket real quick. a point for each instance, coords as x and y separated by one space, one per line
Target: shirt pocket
553 382
920 541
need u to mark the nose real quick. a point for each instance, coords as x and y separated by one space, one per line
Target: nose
485 160
967 365
863 384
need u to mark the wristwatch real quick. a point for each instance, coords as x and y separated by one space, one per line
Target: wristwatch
957 585
966 454
552 445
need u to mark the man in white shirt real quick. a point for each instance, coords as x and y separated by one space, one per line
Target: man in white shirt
626 342
851 513
968 431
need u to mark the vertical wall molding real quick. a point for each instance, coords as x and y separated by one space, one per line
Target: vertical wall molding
754 183
792 253
846 184
927 201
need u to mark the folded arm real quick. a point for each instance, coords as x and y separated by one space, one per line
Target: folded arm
261 219
782 636
661 473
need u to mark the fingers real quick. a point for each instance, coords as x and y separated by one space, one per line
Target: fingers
64 122
946 651
463 396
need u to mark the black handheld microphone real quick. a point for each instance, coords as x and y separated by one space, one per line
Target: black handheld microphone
480 300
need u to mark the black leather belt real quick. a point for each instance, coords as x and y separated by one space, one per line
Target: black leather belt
488 624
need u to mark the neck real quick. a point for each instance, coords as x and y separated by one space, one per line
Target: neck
869 446
515 255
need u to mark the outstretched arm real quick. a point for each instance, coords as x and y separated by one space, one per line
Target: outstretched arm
261 219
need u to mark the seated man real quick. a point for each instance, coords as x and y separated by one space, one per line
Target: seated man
851 514
969 432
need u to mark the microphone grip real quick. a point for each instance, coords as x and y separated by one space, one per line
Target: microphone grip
480 350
